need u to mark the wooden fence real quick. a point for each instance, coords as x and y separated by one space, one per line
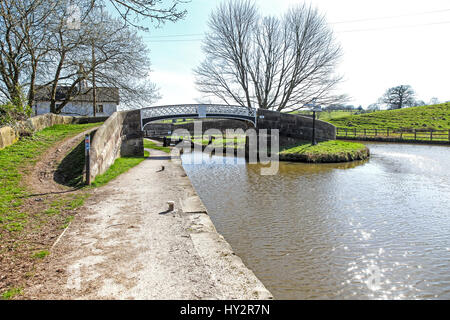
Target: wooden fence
410 135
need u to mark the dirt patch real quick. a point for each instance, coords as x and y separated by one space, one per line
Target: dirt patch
42 176
48 209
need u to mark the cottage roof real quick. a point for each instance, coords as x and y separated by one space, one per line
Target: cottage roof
104 94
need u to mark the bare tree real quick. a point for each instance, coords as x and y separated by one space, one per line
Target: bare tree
133 11
20 44
399 97
434 101
373 107
270 62
38 46
121 60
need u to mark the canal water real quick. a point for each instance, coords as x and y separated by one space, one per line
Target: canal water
378 229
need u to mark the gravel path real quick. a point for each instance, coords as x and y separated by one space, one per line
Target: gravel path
123 244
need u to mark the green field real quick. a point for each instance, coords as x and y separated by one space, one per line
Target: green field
436 117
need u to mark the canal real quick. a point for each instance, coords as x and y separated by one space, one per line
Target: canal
378 229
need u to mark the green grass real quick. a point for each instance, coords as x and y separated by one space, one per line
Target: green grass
152 145
15 159
328 151
234 142
327 147
16 224
121 165
435 117
41 254
326 115
11 293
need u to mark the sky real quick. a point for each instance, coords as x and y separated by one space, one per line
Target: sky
385 43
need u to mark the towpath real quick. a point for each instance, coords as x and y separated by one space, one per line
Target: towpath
123 244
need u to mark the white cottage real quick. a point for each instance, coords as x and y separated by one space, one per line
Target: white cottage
81 104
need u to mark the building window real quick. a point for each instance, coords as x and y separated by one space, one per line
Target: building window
99 108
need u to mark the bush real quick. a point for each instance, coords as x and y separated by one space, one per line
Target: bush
15 110
10 113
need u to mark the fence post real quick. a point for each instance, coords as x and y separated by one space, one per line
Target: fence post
346 131
365 134
87 149
431 134
354 131
376 132
415 134
387 130
401 134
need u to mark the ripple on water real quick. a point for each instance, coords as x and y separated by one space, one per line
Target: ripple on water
325 231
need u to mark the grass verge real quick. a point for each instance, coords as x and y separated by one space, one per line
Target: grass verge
152 145
15 161
121 165
325 152
30 222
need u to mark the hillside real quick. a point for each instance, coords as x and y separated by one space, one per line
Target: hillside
326 115
428 117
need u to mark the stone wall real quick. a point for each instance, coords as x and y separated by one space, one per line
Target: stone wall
295 127
119 136
9 135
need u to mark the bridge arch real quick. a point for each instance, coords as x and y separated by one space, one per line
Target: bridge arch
197 111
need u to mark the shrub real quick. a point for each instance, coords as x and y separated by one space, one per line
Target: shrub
14 110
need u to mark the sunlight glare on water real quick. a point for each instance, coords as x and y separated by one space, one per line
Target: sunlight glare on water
364 230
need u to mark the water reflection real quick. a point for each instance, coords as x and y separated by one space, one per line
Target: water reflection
327 231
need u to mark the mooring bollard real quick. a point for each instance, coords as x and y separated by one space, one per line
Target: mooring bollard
171 205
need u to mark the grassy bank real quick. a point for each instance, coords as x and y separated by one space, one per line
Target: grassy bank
15 162
152 145
120 165
326 115
435 117
30 222
325 152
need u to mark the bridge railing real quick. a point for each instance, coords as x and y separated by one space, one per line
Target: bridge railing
197 111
